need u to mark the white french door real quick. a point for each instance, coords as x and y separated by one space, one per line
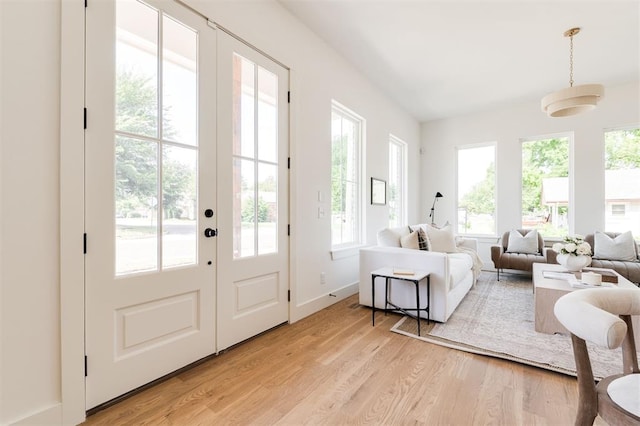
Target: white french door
253 192
150 147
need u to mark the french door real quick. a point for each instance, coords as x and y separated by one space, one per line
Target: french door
253 192
150 147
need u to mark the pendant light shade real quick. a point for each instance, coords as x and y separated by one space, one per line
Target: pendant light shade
574 99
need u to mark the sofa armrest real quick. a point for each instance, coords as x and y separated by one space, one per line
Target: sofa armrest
470 243
496 253
551 255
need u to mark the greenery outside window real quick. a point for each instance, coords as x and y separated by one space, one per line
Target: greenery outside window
476 203
545 185
622 180
347 130
397 182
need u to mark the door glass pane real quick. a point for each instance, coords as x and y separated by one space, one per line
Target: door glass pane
267 115
136 199
267 208
243 107
136 68
179 100
244 208
179 205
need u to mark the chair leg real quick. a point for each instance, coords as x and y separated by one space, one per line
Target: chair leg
498 271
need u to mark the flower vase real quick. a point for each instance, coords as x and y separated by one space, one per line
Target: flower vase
573 263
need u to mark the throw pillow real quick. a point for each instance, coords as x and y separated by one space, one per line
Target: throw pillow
523 244
410 241
441 240
423 241
621 247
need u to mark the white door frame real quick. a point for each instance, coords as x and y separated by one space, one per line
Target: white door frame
72 75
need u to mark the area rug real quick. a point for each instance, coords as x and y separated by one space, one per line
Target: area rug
496 318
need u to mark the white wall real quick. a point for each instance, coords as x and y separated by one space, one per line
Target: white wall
318 75
620 107
29 194
30 314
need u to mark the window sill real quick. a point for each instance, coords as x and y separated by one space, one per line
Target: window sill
343 253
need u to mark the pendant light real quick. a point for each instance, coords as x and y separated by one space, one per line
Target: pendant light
574 99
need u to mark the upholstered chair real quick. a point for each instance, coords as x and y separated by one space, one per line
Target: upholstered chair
504 258
603 316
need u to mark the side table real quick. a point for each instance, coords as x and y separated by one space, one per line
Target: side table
389 275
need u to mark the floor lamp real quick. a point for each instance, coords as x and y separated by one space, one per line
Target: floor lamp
433 207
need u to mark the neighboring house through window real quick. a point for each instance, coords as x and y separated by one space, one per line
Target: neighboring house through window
347 130
476 203
622 180
397 182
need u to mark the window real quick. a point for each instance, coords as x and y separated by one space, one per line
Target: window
545 185
346 179
621 180
397 182
477 189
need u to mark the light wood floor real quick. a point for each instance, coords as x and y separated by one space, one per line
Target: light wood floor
335 368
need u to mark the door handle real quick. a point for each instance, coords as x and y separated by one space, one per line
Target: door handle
210 232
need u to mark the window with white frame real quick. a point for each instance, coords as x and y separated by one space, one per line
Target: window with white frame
545 185
397 182
347 130
622 180
476 203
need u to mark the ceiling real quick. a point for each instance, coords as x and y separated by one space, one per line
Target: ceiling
439 59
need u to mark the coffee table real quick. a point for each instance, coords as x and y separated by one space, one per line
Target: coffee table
548 290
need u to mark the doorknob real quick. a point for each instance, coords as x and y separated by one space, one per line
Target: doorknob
210 232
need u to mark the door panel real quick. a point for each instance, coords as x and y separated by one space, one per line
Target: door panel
253 246
150 175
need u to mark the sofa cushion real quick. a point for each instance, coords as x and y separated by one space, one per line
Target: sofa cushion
523 244
441 240
621 247
459 266
410 241
390 237
423 241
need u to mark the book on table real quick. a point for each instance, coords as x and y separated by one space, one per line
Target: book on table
403 271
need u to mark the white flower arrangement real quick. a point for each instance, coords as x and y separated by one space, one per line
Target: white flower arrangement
574 245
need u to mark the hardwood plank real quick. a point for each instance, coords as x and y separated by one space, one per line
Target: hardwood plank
335 368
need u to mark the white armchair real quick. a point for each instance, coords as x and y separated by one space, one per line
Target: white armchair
603 316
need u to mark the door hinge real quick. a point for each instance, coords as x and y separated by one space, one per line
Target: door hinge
288 229
85 118
84 243
85 3
288 162
288 295
289 97
85 366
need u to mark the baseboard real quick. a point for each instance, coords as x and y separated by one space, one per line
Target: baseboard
319 303
48 416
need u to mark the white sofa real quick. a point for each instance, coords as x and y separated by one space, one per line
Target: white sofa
452 274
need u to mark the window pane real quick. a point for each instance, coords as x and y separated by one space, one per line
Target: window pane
245 210
179 226
179 107
397 194
545 186
476 190
136 68
622 181
267 208
136 200
345 178
267 116
243 107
